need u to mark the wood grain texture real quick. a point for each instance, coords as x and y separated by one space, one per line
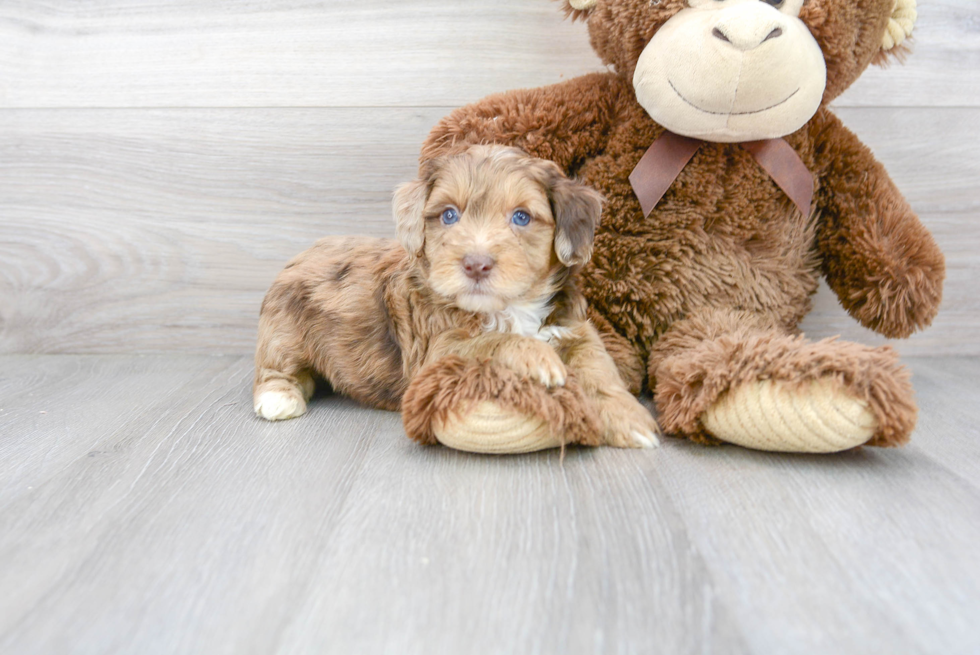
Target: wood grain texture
827 552
160 230
282 53
288 53
943 69
183 542
197 528
148 511
949 430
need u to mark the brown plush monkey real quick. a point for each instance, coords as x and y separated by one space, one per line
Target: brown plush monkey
731 188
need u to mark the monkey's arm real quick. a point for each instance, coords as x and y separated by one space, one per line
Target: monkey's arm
564 122
879 259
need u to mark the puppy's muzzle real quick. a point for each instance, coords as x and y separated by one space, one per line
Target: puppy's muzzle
477 267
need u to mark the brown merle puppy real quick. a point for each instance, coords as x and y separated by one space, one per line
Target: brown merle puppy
490 240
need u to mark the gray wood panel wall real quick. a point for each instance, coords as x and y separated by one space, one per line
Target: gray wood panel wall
159 162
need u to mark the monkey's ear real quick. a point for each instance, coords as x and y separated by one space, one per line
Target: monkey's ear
578 8
577 209
899 29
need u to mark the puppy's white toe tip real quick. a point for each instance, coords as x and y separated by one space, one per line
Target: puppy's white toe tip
550 379
645 440
278 406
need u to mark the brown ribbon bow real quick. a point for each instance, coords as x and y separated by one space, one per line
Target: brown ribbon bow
669 154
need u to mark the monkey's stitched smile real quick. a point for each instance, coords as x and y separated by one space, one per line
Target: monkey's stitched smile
731 113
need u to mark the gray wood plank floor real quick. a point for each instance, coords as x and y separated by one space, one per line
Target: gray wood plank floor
143 509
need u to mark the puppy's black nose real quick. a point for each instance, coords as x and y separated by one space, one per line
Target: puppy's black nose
477 267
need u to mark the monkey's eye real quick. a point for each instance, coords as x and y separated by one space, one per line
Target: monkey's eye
450 216
520 217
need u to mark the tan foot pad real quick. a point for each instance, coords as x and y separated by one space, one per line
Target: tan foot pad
769 415
489 429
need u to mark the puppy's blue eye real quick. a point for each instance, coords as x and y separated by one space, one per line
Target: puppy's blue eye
520 217
450 216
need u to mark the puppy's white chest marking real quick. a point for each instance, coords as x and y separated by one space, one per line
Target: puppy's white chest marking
525 319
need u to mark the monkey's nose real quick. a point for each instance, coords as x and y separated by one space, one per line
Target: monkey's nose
744 37
718 34
477 267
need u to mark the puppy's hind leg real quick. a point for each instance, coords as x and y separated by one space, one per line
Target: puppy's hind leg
280 398
283 381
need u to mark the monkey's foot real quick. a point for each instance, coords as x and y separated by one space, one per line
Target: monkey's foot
770 391
818 417
486 408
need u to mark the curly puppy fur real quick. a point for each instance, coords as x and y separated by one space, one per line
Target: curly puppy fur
490 244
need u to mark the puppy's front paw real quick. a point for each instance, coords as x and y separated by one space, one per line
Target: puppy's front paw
535 360
628 424
279 405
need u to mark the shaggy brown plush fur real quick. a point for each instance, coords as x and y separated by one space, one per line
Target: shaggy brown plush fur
452 385
725 241
705 355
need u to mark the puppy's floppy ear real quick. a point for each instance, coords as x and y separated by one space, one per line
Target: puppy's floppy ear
577 209
408 207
